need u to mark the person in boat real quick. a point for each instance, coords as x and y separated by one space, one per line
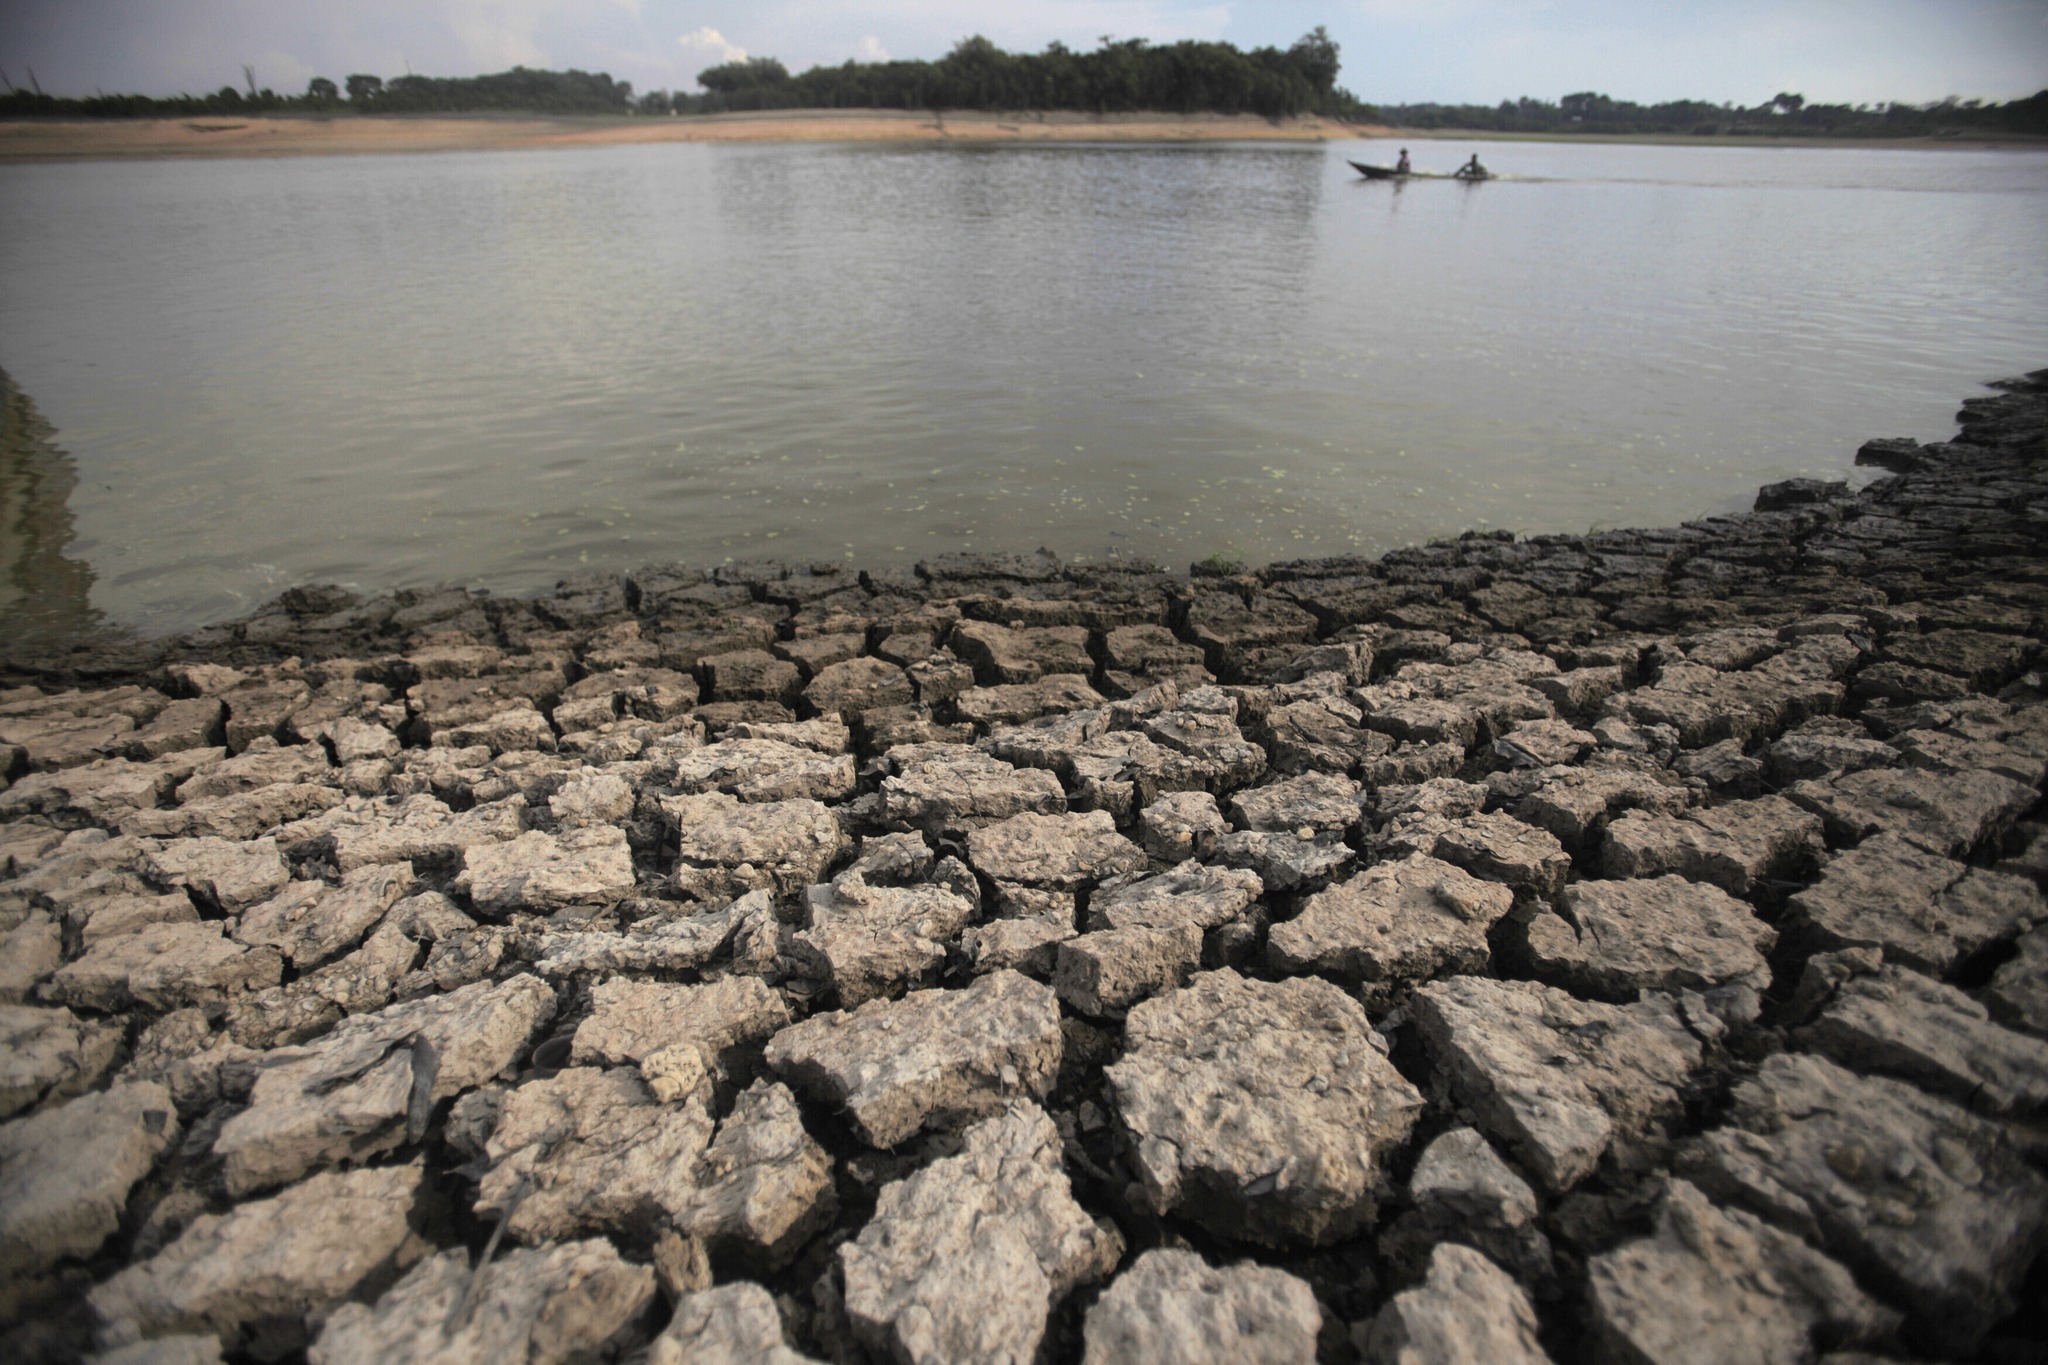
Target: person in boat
1472 170
1402 167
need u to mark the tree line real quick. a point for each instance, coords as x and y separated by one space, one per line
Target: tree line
1785 115
1129 76
519 90
1118 77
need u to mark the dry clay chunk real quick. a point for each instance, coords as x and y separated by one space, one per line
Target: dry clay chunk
1173 1305
1399 920
185 1348
1462 1191
765 770
2018 991
631 1020
1924 910
357 1091
659 943
949 787
540 873
1897 1022
540 1306
589 1150
1105 972
1554 1078
230 874
1930 1204
868 940
29 952
1719 1285
1468 1312
164 966
1261 1109
727 847
964 1259
1737 847
765 1185
310 922
50 1051
1190 893
65 1173
1610 940
1054 850
733 1324
272 1263
933 1057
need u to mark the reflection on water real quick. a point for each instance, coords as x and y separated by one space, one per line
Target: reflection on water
497 368
45 597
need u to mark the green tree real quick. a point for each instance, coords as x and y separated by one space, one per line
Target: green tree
322 90
363 89
1314 55
752 74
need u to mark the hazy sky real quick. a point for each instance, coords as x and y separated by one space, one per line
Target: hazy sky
1394 51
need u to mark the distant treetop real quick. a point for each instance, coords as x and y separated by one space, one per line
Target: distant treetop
1783 115
1120 76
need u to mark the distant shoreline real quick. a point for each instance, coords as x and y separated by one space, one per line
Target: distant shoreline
2007 142
223 136
213 137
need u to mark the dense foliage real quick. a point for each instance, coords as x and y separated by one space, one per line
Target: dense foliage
518 90
1787 115
1118 77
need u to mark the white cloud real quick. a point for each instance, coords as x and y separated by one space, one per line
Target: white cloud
282 72
711 45
870 50
495 34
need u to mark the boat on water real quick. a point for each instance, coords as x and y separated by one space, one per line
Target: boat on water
1390 173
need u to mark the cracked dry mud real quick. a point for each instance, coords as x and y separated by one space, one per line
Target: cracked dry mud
1622 947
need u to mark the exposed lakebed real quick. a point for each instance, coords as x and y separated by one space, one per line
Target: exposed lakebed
1626 945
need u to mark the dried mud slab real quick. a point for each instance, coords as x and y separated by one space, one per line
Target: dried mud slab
66 1173
1173 1305
1612 940
1407 920
534 1306
1556 1079
1261 1110
1719 1284
964 1260
367 1087
272 1266
933 1057
1933 1205
1468 1309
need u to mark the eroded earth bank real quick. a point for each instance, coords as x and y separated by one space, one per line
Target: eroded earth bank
1626 946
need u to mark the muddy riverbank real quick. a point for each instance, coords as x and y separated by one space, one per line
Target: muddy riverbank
1627 942
156 139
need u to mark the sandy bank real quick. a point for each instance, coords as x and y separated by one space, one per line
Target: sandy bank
122 139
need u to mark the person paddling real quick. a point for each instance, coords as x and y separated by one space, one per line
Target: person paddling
1402 167
1472 170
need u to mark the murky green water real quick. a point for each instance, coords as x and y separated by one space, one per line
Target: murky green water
495 368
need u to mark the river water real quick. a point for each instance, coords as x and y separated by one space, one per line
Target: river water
495 368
